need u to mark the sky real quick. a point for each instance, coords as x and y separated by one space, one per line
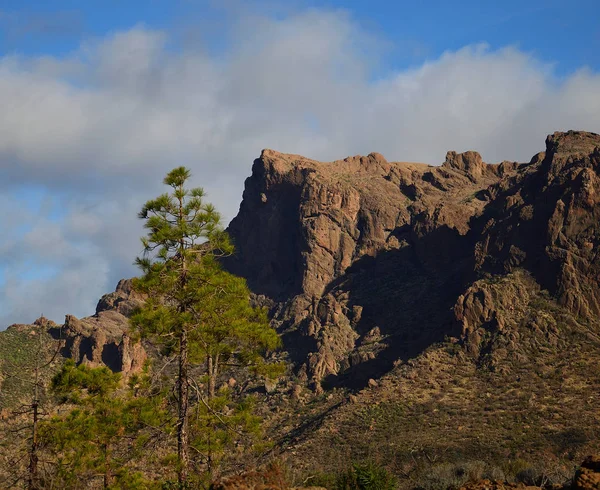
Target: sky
100 99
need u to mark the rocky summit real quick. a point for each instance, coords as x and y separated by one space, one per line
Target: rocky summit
367 262
441 320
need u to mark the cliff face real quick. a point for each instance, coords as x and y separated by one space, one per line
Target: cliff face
103 338
100 339
461 303
546 220
302 223
365 262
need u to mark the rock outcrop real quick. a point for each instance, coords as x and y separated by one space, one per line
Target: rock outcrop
103 339
352 247
588 475
546 220
460 303
347 249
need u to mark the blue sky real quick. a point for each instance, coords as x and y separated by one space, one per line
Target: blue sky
101 98
567 34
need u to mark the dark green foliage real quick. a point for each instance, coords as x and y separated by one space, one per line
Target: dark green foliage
200 315
19 347
77 384
188 291
218 318
222 423
366 476
95 437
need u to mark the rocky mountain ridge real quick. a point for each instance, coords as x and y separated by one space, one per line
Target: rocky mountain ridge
96 340
365 261
450 313
350 254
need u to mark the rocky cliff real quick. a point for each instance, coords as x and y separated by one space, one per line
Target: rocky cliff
100 339
103 339
366 262
459 303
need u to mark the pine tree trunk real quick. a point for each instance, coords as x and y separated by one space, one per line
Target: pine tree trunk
107 473
35 404
182 429
33 457
210 368
211 395
182 426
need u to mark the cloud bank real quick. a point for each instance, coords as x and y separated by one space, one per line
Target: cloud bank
86 138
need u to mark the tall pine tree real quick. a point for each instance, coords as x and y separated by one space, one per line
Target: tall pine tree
197 311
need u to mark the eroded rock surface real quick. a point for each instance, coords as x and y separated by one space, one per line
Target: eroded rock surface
545 219
344 249
103 338
588 475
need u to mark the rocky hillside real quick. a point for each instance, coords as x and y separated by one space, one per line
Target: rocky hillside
458 303
439 315
100 339
366 262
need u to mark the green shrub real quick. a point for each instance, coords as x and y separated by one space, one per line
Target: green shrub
514 467
325 480
366 476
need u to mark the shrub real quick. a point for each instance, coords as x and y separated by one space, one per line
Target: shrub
514 467
441 477
366 476
445 476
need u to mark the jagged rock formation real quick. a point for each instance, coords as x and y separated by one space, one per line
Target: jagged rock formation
459 303
348 250
98 340
103 339
365 261
588 475
546 221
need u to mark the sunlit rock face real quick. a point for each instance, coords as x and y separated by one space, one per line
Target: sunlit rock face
364 261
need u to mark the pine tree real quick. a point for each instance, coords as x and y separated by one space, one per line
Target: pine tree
32 373
96 435
197 311
83 439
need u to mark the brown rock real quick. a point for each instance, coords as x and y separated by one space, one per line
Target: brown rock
347 246
307 230
132 355
270 385
548 223
469 163
103 339
588 475
123 300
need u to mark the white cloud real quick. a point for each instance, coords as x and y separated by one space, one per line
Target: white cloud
101 127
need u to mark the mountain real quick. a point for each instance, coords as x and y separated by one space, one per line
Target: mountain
458 303
366 262
441 320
